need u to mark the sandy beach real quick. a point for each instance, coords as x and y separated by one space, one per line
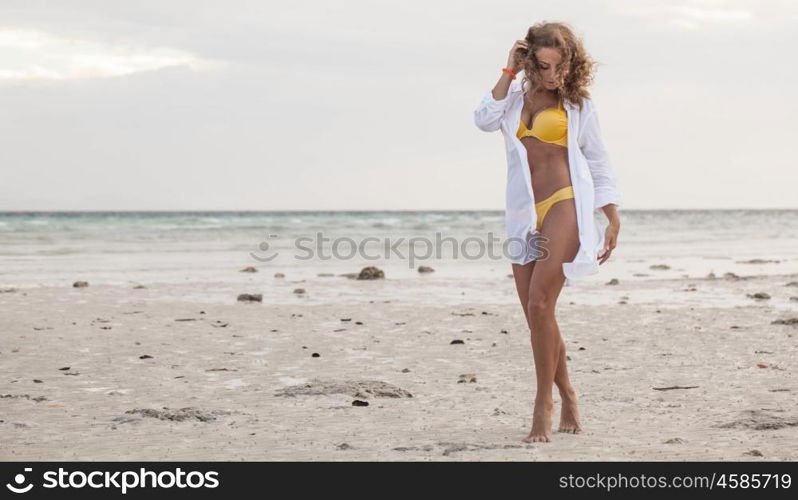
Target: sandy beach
111 372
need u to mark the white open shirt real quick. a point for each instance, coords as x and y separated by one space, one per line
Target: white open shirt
592 177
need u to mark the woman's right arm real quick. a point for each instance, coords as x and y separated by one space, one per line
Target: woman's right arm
493 105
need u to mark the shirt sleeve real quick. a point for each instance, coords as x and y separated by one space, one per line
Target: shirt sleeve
598 161
490 111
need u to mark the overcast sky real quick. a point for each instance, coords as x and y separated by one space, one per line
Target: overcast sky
252 105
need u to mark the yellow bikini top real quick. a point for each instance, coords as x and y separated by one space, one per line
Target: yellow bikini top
549 125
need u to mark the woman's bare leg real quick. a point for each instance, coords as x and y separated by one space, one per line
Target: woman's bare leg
569 413
523 275
548 347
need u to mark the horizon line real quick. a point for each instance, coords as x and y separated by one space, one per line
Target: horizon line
189 211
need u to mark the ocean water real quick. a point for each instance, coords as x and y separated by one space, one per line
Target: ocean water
58 248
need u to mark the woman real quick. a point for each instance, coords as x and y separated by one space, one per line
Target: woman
558 165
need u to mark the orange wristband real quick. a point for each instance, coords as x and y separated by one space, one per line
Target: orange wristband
509 72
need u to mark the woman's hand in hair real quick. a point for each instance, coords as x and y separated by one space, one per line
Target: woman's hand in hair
517 54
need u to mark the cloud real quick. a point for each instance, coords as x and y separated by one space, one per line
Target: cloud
696 16
691 14
27 54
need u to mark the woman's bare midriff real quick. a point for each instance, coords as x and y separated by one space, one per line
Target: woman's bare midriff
548 165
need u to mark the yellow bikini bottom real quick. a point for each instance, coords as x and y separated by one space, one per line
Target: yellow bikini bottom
543 207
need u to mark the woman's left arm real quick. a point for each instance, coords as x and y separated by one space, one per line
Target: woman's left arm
611 233
607 195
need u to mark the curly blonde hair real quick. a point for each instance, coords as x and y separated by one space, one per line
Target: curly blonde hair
576 69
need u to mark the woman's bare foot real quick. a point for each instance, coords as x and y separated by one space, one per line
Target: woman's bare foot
569 414
541 422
